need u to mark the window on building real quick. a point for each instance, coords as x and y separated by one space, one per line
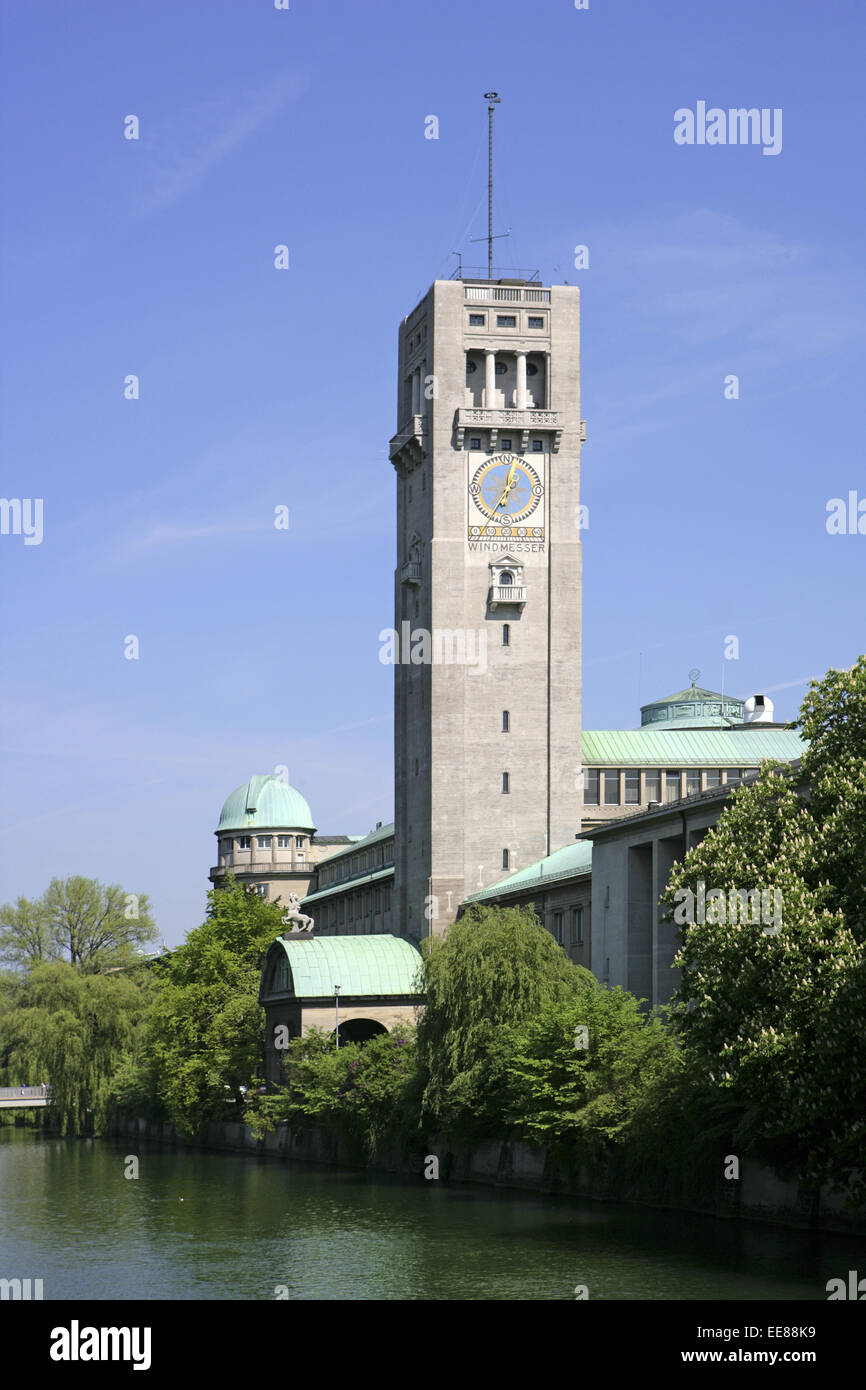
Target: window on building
631 778
672 786
506 634
416 767
750 771
476 320
535 321
506 320
713 777
264 841
537 446
506 783
377 900
300 856
693 781
387 897
475 443
300 841
732 775
333 915
591 779
557 927
341 911
284 842
244 841
505 859
506 722
262 890
506 444
653 786
350 907
611 787
577 926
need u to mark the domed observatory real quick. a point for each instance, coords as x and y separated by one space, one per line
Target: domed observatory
265 839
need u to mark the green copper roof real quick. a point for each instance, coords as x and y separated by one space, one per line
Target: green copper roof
358 964
337 888
688 747
266 803
384 832
693 707
568 862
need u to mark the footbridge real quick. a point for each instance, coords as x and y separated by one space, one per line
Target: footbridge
24 1097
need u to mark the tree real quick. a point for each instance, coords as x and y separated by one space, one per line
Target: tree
778 1017
78 920
206 1034
359 1091
72 1030
577 1072
496 967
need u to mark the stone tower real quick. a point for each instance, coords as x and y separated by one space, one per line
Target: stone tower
487 595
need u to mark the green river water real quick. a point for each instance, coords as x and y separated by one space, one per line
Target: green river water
250 1228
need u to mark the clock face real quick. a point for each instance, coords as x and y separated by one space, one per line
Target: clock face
505 488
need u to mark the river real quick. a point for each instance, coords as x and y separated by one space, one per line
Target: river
199 1225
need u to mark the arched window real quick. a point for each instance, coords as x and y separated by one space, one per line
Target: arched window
505 859
506 721
506 577
506 634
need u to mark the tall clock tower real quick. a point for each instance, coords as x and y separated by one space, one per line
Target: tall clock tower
487 594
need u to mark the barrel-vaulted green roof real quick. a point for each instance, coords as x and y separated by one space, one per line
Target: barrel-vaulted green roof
360 965
266 803
688 747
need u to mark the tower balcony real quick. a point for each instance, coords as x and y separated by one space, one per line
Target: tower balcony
407 446
410 572
526 421
507 593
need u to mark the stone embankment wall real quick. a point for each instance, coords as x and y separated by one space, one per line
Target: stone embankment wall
757 1195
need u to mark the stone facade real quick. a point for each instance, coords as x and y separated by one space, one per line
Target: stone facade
487 718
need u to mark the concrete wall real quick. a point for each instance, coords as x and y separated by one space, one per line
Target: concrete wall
759 1195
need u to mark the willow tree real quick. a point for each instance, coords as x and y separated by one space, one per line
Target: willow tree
495 968
73 1031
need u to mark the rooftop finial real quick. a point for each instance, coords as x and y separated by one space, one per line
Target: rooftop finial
694 675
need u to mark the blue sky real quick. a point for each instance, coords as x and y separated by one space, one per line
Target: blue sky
262 388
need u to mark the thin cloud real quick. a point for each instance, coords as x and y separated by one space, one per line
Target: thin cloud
218 134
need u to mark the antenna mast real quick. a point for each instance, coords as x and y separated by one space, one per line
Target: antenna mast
492 99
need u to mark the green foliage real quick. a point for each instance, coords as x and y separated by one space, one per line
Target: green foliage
779 1020
72 1030
496 968
206 1029
575 1089
358 1091
77 920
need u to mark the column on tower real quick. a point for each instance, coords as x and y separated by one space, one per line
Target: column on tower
521 381
489 378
